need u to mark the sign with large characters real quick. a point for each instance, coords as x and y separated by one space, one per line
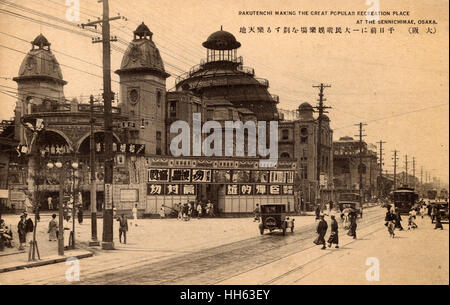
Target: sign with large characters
125 148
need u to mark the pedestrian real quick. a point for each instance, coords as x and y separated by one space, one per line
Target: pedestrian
318 212
80 214
438 222
52 228
411 218
328 210
334 237
199 210
123 228
180 211
22 231
50 203
190 209
390 222
162 213
398 221
256 213
135 215
28 223
353 225
321 230
423 210
429 208
68 238
185 211
211 209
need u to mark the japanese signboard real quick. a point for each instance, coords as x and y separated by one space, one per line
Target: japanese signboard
158 175
108 196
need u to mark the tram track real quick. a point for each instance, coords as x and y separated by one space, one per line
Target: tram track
217 264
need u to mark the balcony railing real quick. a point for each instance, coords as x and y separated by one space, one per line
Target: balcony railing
67 107
263 81
246 70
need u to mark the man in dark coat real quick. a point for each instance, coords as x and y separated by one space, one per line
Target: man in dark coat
334 238
321 230
80 214
22 230
123 228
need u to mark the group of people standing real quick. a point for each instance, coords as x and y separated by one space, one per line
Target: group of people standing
190 209
322 228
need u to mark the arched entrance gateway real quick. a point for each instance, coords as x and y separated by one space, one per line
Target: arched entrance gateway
83 150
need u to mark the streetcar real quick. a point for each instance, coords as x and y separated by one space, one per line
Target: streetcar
350 201
404 199
431 194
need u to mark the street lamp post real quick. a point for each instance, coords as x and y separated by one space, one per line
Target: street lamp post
58 165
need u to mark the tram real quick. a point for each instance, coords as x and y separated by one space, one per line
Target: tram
405 199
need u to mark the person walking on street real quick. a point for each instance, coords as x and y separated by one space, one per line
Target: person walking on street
211 209
334 237
199 210
123 228
52 228
22 231
318 212
28 224
411 218
80 214
390 222
353 225
256 213
180 211
438 222
135 215
321 230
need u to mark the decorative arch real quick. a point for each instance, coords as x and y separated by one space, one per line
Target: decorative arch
84 140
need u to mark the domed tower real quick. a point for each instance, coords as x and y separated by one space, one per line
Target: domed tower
40 81
305 111
143 90
223 76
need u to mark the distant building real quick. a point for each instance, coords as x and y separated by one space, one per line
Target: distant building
346 166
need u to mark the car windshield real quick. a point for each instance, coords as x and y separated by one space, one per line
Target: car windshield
272 209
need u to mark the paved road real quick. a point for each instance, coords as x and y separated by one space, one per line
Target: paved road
217 264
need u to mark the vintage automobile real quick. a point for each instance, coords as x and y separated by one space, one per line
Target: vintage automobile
350 201
442 207
273 216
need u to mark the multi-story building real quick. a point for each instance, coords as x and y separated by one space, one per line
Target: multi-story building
347 166
148 171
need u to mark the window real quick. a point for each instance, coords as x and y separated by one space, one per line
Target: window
285 155
304 135
285 134
158 143
304 171
158 98
173 109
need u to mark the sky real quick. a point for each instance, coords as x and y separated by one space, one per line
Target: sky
396 83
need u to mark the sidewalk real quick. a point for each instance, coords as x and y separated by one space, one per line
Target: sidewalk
53 259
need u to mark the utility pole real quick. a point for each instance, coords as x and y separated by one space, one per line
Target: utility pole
380 186
321 109
414 172
360 166
406 170
107 240
395 158
421 179
94 241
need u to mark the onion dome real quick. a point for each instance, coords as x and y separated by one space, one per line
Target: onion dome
325 118
221 40
305 107
40 63
142 55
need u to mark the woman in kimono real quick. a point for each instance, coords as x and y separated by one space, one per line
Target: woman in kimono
398 221
321 230
334 238
52 228
390 219
353 225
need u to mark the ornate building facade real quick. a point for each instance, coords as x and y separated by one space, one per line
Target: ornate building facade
146 173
